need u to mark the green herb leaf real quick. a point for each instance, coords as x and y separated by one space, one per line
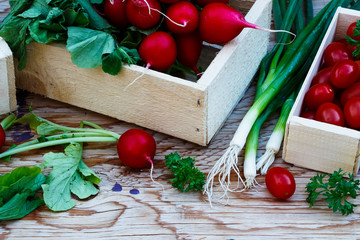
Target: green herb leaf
96 21
40 125
69 175
112 63
87 46
20 205
14 33
187 176
37 9
132 39
17 192
335 191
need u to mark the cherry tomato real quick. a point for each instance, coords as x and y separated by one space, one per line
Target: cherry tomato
308 114
350 32
317 95
344 73
335 52
352 91
115 11
323 76
352 112
330 113
2 136
280 182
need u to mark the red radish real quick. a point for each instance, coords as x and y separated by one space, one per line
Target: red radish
169 1
189 48
220 23
143 14
115 11
158 50
2 136
182 17
202 3
136 148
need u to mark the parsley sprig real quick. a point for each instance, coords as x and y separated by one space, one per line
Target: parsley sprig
354 42
187 176
335 190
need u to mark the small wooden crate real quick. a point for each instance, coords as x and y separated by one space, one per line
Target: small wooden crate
316 145
7 79
190 110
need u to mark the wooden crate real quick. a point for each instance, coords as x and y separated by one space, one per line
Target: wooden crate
316 145
190 110
7 79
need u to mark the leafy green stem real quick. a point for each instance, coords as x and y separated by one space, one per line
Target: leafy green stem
8 121
39 145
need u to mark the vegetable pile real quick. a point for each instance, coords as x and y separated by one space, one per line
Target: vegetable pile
164 35
281 74
334 93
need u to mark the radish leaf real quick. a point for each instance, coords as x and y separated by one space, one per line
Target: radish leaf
69 175
87 46
112 63
17 192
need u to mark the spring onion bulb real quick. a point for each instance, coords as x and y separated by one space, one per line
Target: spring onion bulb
274 143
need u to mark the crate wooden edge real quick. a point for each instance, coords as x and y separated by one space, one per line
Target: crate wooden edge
309 144
7 79
231 69
335 31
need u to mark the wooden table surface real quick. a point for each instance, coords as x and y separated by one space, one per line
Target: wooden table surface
150 212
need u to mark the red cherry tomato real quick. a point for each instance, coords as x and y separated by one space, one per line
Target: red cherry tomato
352 112
2 136
323 76
280 182
350 32
330 113
115 11
317 95
344 73
308 114
335 52
350 92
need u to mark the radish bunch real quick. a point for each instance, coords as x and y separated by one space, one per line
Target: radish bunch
176 29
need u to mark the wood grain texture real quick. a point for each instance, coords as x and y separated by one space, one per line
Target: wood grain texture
156 214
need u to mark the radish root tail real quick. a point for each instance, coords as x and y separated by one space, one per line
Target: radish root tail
142 74
156 10
222 169
276 31
151 173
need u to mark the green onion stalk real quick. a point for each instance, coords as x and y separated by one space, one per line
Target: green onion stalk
292 59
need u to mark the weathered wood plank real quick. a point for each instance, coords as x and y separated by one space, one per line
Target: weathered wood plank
156 214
